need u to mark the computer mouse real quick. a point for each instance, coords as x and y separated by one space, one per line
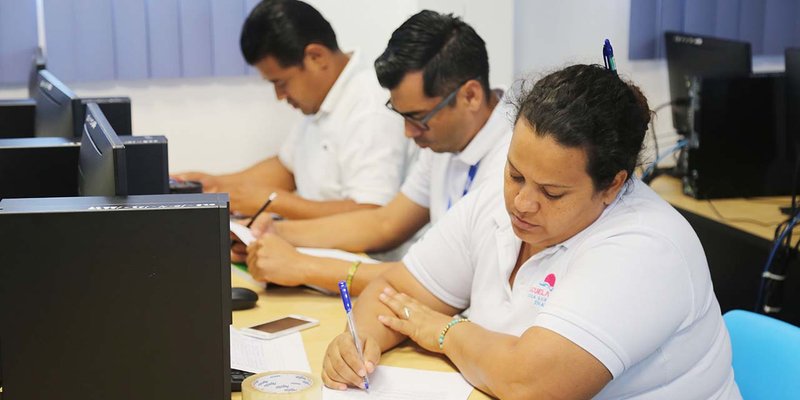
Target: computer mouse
243 298
177 186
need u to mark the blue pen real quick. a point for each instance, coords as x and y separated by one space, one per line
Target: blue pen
608 57
348 309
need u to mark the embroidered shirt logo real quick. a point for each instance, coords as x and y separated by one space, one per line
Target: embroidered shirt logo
540 292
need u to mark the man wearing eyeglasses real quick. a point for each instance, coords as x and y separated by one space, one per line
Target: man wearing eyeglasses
437 70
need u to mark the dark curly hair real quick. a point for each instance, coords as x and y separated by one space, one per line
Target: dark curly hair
589 107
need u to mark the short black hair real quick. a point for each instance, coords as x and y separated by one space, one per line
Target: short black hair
446 49
283 29
590 107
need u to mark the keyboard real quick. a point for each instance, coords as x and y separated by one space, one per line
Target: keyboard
237 376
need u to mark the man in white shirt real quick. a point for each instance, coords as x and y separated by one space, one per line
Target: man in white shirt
437 70
347 153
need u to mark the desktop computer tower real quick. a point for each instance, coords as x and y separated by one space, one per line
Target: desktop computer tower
48 166
739 147
131 300
147 164
17 118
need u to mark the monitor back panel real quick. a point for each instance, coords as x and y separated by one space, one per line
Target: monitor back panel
117 111
132 301
17 118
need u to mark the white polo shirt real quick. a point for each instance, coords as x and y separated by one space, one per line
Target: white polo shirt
633 289
353 147
439 179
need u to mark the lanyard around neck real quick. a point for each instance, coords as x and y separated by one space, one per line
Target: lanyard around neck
473 169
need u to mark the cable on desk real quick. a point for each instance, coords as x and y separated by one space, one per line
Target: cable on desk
743 220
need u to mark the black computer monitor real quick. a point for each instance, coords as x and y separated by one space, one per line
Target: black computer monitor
54 102
793 94
691 56
101 164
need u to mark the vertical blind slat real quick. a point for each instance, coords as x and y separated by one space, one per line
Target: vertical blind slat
94 40
60 36
130 39
701 17
196 54
751 24
18 39
727 19
226 24
163 33
779 25
643 44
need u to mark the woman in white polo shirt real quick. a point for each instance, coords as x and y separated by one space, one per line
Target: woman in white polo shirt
584 284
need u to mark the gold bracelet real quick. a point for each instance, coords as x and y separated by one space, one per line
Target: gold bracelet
351 273
447 327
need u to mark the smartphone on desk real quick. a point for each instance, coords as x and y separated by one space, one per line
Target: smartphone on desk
281 326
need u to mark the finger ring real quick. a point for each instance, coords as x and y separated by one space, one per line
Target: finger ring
407 312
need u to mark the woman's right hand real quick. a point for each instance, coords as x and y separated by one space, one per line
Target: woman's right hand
342 366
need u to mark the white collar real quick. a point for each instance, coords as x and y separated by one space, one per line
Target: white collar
337 90
498 124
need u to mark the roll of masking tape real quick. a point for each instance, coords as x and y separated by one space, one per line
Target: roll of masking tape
281 385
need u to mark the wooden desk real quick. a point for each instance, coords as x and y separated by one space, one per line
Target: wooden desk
763 209
736 245
278 302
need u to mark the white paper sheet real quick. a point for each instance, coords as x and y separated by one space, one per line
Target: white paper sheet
392 383
243 233
284 353
246 236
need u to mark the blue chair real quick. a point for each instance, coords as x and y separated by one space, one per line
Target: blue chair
766 356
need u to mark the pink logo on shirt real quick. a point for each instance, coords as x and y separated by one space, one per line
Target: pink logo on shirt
550 280
540 292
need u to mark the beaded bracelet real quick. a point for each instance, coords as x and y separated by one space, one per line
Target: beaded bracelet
447 327
351 273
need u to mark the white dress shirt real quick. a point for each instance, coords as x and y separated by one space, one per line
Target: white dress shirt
353 147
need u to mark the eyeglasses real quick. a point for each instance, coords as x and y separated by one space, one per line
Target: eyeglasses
422 123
